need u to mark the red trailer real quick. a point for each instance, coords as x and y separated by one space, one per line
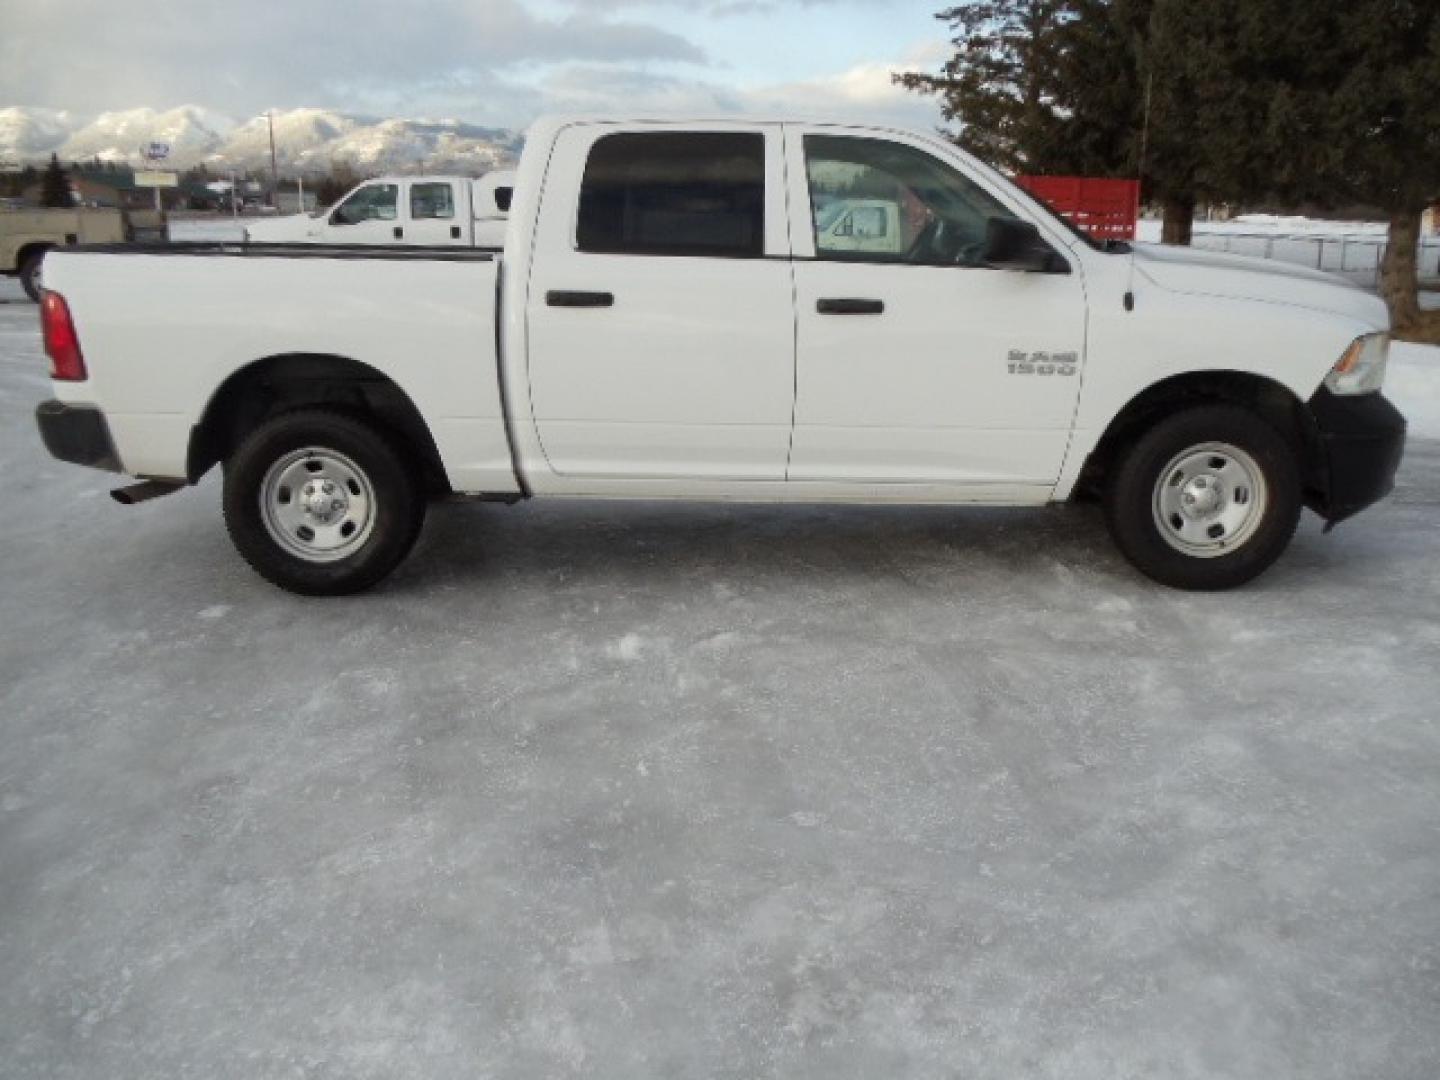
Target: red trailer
1106 209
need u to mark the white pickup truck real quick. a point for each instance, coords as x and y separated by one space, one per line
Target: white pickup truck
664 323
415 211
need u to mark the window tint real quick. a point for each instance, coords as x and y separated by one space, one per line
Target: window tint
880 201
674 193
431 201
373 202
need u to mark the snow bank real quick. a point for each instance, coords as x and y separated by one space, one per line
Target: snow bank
1413 384
222 229
1148 229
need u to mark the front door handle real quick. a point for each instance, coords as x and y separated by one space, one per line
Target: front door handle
849 306
572 298
399 232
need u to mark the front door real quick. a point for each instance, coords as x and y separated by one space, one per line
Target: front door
369 215
915 362
659 312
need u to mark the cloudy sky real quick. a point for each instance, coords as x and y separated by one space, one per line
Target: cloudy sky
495 62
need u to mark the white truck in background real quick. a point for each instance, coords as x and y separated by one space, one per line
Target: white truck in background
666 320
414 211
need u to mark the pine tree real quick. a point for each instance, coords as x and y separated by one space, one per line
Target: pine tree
55 186
1382 121
1003 83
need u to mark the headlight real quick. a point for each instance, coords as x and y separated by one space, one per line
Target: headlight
1362 369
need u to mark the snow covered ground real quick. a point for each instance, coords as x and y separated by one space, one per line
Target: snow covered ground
695 791
224 229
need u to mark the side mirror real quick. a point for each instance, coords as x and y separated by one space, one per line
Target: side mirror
1012 244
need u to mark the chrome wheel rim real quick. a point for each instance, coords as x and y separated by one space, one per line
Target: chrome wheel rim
1210 500
317 504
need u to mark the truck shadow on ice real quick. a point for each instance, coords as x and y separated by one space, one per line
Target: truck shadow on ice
650 544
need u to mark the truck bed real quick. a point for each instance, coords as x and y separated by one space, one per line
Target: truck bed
163 332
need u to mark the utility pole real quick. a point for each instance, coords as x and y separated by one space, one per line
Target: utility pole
274 170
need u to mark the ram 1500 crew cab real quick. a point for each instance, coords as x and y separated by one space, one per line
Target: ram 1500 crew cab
667 321
418 211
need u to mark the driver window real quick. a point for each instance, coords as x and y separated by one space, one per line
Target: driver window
881 201
373 202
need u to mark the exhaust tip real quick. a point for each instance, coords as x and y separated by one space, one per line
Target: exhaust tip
144 491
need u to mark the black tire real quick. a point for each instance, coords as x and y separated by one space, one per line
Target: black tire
1134 499
30 275
392 495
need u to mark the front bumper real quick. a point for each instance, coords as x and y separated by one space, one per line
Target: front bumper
1358 443
77 434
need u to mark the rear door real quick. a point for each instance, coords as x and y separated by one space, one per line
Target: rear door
438 213
660 319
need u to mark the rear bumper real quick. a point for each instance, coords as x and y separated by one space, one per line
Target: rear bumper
1359 442
77 434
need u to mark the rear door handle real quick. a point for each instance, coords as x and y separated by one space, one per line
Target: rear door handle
849 306
572 298
399 232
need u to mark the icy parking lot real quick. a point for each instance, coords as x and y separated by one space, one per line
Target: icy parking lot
694 791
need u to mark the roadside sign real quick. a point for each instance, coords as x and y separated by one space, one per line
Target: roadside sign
155 151
157 179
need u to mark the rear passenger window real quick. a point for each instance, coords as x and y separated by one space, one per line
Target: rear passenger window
674 193
431 201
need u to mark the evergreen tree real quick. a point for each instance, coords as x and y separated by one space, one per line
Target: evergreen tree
1003 85
55 186
1382 123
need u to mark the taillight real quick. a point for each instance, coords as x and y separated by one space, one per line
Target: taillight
62 344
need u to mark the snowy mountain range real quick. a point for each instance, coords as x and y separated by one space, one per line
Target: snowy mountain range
306 140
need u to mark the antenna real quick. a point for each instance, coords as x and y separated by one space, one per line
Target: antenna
1140 181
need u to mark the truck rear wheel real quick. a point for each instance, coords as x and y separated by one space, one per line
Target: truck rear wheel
30 275
321 503
1206 499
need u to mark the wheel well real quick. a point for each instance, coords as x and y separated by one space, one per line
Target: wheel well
1269 399
279 384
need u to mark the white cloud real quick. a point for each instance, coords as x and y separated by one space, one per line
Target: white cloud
865 92
89 55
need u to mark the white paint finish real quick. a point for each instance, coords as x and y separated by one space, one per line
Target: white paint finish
688 392
162 333
689 374
453 231
1291 333
924 391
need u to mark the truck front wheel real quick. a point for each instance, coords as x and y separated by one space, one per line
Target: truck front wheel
1205 499
321 503
30 275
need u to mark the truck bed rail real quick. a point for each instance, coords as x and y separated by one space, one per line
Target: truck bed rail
222 249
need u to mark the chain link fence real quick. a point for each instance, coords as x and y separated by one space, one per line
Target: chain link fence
1355 257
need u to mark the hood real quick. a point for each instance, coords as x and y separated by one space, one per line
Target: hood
1214 273
290 229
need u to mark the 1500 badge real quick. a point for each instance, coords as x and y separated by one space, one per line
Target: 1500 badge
1043 363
